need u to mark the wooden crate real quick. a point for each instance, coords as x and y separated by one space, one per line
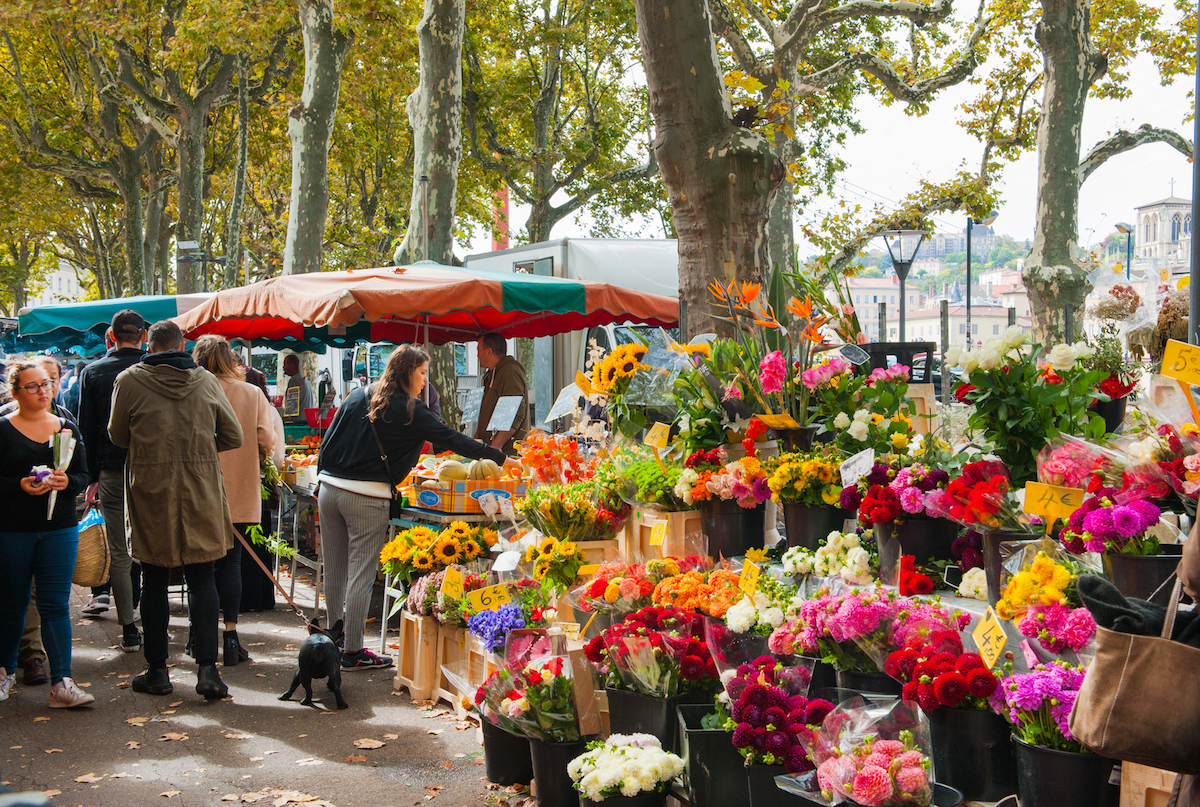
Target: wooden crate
925 403
599 551
416 664
684 536
1143 786
452 654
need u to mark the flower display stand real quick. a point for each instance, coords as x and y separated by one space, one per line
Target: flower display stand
599 551
451 654
479 667
684 535
416 665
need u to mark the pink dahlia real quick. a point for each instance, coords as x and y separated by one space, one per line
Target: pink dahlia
912 779
872 786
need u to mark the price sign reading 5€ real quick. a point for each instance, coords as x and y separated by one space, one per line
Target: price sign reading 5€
1181 361
452 583
748 582
489 599
989 638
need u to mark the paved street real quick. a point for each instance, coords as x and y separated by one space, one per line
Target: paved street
133 749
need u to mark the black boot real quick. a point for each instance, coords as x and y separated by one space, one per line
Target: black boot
154 681
234 652
209 683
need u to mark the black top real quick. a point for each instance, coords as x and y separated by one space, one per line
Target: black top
22 511
349 450
95 405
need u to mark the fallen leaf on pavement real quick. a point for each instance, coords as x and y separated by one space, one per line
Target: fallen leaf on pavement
123 685
446 764
256 644
309 761
14 747
357 758
89 779
391 736
268 753
136 721
175 704
133 745
167 712
366 742
40 719
54 750
169 793
51 793
83 684
437 713
435 731
231 736
231 797
123 775
172 735
123 675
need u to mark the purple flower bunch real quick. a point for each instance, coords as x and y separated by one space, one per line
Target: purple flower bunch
913 483
1038 704
967 549
1103 524
1058 626
493 626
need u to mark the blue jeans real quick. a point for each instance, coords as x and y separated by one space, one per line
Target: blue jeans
48 558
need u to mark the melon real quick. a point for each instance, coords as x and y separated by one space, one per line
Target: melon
451 469
483 469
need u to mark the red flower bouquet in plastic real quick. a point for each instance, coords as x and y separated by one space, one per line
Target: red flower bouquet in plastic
655 651
935 676
978 498
770 710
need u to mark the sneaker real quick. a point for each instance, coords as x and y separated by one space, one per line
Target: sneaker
65 695
131 638
365 660
99 605
6 682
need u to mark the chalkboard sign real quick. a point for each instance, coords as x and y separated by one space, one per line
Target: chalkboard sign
854 354
566 401
291 402
472 404
326 405
505 413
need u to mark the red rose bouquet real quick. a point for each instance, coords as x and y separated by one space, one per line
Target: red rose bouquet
551 696
655 651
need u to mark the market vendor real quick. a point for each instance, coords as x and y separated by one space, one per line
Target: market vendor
373 443
296 380
504 377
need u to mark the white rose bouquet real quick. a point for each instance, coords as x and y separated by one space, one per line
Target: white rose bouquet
623 765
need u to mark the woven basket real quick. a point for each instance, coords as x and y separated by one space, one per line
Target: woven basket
92 561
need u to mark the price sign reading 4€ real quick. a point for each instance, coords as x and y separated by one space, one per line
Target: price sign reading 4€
989 638
452 583
749 579
489 599
656 436
1052 501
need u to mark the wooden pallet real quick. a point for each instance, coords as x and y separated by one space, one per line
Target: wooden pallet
418 645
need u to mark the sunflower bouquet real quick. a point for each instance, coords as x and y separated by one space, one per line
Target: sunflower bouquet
611 377
555 563
568 512
422 549
812 479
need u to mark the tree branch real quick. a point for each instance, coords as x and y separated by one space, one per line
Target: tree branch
724 25
1124 141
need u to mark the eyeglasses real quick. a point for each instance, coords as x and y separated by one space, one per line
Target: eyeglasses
33 389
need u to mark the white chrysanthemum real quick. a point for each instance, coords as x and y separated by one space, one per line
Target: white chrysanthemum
797 560
773 617
741 617
974 584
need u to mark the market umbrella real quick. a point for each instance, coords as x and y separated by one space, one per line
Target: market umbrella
82 325
419 303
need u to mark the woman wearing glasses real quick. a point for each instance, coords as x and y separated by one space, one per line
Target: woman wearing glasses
37 545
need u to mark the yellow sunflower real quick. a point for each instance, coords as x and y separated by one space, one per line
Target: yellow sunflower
422 560
490 537
471 549
567 549
447 550
545 557
546 547
421 536
540 570
607 372
531 552
459 530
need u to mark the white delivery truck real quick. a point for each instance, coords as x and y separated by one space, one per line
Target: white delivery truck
641 264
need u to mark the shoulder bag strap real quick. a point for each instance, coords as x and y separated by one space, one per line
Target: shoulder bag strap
1169 623
383 456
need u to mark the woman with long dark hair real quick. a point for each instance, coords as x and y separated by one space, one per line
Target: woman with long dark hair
356 486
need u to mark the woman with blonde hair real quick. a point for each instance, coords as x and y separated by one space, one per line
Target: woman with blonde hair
374 441
240 469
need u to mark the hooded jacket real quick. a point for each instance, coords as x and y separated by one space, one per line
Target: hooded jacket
174 419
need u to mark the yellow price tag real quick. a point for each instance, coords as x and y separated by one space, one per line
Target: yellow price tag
1052 501
588 570
1181 361
490 598
658 533
989 638
570 629
779 421
584 384
748 582
452 584
657 436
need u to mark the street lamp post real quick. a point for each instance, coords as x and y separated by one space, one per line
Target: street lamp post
902 260
1127 229
986 221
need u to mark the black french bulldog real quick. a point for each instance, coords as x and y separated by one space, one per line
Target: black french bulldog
320 657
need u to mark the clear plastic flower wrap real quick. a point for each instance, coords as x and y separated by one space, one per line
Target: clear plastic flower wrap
653 384
523 645
768 708
623 765
876 755
550 694
647 481
1073 462
731 652
655 651
501 699
1042 600
916 621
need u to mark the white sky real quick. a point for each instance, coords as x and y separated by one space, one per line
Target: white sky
895 151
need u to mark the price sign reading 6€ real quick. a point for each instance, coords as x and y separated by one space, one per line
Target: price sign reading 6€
989 638
489 599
